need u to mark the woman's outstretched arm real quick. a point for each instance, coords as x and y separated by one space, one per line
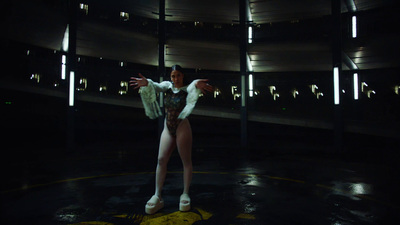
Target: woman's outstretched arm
141 81
203 86
138 82
148 90
194 90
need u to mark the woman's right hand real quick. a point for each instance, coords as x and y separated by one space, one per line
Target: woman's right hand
138 82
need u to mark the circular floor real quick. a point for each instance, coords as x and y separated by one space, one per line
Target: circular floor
113 187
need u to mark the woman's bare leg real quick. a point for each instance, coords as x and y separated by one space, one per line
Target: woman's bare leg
167 145
184 143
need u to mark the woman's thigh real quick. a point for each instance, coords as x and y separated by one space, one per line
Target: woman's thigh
184 140
167 145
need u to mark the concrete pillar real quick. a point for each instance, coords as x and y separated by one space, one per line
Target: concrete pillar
71 67
161 58
337 71
243 71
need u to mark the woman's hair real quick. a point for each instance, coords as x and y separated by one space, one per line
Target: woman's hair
177 67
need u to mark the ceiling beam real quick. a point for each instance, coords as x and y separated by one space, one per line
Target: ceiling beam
348 62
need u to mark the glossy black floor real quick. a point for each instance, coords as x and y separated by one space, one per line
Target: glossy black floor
289 175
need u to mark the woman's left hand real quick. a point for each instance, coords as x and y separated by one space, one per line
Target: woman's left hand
203 86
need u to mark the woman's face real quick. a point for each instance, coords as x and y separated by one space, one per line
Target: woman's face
177 78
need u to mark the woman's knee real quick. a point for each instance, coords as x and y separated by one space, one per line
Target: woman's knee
188 165
186 160
162 161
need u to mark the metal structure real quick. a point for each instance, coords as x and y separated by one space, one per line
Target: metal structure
243 36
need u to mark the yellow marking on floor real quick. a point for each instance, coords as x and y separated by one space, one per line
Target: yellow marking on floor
176 218
205 215
248 175
287 179
330 188
246 216
138 218
26 187
93 223
146 218
121 216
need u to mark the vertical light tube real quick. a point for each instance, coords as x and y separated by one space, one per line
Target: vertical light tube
71 88
250 38
336 87
251 91
63 66
354 26
243 90
355 83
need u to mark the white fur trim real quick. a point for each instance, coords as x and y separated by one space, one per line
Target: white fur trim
149 97
191 99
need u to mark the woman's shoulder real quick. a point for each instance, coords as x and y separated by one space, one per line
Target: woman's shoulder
166 84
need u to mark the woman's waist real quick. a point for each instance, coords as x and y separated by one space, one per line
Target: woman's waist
173 112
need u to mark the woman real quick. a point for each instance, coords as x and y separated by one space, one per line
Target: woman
179 102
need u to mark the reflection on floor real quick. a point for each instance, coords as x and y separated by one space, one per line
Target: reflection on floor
95 185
